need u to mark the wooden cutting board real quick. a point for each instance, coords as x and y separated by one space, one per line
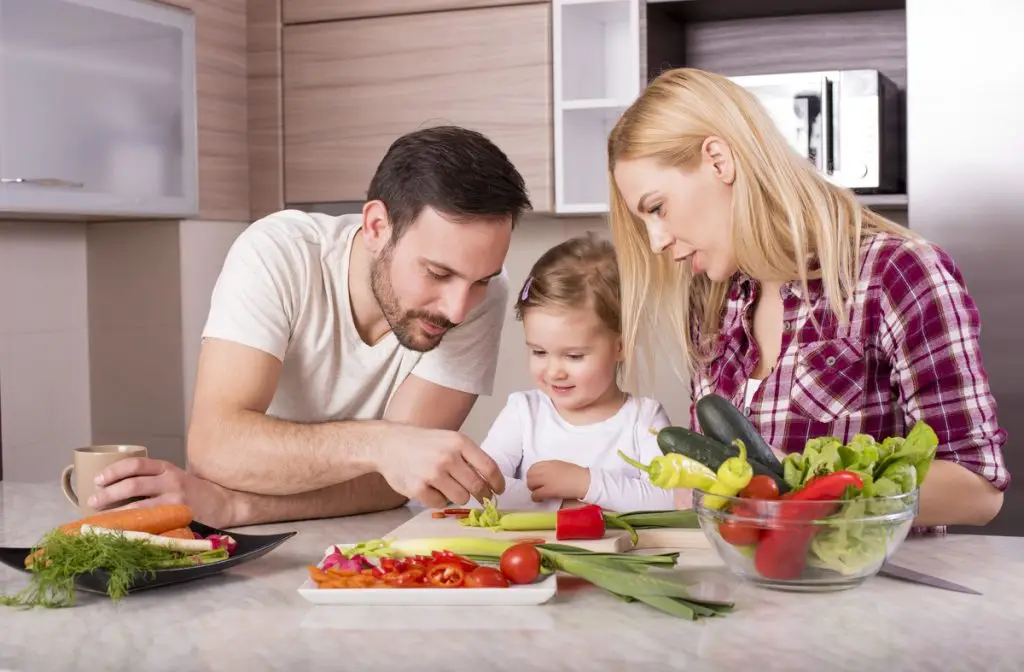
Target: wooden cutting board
425 526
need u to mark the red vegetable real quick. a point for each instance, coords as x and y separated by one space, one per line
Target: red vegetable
781 553
446 575
585 522
520 563
760 487
486 577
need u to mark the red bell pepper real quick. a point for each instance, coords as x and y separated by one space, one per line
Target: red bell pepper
585 522
782 553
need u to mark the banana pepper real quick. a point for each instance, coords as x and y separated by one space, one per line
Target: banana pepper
675 471
733 475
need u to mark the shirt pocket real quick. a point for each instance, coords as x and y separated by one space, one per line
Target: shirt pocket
828 381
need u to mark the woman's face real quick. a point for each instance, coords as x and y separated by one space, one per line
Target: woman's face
686 211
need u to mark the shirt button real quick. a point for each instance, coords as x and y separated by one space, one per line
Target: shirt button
746 411
787 325
831 361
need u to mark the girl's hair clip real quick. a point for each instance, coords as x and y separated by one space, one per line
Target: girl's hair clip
526 289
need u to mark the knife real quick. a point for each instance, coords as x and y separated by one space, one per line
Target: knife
914 576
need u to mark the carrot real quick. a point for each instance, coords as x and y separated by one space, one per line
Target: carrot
179 533
154 520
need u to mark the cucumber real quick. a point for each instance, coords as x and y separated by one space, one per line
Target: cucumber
722 421
709 452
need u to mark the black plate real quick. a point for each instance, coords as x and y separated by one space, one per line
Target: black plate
250 547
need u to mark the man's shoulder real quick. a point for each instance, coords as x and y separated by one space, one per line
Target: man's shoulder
295 230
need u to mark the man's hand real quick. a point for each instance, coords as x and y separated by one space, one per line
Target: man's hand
158 482
555 479
437 466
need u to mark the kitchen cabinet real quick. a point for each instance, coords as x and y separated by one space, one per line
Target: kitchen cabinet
97 109
306 11
352 87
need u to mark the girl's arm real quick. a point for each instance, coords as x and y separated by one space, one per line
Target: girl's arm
504 443
617 486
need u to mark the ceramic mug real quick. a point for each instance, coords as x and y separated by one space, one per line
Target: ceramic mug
88 462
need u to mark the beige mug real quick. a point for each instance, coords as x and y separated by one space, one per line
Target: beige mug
88 462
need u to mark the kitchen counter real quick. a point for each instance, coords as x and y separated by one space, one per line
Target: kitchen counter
252 617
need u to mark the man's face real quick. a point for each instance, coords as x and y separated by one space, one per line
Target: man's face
435 274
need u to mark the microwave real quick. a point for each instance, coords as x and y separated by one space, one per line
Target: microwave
846 122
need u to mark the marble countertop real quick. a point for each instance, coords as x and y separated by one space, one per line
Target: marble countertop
252 616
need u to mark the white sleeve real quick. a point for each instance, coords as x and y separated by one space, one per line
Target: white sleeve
255 297
504 443
467 356
626 488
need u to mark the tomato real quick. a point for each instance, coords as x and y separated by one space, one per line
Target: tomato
520 563
761 487
486 577
446 575
739 533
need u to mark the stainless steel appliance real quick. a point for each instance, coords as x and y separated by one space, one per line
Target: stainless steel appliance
847 122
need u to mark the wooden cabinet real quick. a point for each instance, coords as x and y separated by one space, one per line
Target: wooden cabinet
352 87
306 11
97 109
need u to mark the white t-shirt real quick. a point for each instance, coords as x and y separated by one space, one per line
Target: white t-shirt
284 290
530 430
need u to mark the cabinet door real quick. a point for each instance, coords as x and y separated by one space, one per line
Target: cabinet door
97 108
305 11
352 87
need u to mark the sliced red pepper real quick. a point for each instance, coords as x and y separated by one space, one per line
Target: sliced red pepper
585 522
449 557
782 552
446 575
455 512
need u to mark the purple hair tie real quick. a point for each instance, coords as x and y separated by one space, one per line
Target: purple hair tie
526 289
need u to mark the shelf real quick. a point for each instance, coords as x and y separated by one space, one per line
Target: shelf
594 104
581 168
885 201
727 10
597 49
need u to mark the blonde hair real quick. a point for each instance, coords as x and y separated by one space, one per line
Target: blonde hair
785 216
581 272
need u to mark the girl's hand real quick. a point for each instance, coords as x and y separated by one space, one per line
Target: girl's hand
555 479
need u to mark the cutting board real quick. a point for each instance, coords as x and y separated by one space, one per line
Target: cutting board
424 525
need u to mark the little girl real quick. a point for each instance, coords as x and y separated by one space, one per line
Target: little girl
560 441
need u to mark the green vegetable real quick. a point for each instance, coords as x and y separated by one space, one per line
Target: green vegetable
896 466
722 421
734 475
708 452
61 558
674 471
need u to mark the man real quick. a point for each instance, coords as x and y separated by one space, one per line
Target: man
342 354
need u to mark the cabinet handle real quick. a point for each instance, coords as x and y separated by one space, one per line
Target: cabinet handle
41 181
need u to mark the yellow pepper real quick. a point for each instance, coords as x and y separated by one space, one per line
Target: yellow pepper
733 475
675 471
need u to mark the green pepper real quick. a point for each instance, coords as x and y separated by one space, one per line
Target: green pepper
734 475
675 471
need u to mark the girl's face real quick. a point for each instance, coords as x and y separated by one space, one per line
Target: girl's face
688 212
573 355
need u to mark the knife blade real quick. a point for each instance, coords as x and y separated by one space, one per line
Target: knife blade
914 576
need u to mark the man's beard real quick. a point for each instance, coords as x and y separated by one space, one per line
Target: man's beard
404 324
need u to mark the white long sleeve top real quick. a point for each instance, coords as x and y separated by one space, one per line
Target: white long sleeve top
529 430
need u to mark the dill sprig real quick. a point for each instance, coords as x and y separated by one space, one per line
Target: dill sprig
61 558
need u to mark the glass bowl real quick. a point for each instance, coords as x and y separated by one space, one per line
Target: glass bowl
805 546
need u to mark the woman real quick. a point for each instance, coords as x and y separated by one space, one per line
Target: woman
780 292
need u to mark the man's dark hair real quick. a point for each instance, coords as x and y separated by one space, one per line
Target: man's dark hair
455 171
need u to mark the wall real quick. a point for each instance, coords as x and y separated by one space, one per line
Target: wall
44 347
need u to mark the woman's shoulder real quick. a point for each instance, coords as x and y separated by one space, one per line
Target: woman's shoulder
892 260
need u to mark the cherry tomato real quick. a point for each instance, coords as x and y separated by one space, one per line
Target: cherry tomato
520 563
739 533
486 577
761 487
446 575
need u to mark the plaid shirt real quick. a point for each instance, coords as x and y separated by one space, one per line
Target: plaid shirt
909 351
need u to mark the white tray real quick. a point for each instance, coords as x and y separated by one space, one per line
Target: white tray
515 595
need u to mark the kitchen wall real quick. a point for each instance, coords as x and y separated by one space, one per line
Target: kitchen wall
44 346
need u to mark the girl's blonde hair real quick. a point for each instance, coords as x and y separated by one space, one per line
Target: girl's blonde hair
579 273
786 217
